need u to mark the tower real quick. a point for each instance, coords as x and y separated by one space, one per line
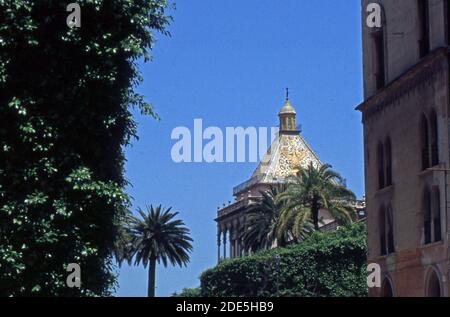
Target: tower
406 119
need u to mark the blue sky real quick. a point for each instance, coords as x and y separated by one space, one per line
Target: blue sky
228 62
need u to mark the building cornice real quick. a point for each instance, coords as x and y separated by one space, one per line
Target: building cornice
428 67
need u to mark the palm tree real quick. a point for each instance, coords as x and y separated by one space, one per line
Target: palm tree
262 218
312 190
157 238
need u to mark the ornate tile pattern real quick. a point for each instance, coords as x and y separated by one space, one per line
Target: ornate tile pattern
285 156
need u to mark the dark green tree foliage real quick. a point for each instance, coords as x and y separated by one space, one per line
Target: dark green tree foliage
65 98
324 265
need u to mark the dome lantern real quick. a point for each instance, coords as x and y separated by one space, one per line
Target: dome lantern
287 116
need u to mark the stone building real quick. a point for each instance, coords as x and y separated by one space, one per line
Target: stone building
405 115
288 151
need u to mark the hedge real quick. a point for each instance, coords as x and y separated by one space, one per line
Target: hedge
324 265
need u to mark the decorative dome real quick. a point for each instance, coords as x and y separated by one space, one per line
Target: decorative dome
287 108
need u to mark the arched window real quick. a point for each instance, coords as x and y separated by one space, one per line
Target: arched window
380 163
433 286
434 139
424 23
390 230
379 57
426 207
387 290
382 228
436 214
388 154
447 4
424 139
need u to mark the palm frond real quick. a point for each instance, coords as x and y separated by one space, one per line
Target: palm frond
156 234
315 189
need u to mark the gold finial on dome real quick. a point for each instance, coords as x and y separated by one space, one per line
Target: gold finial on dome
287 107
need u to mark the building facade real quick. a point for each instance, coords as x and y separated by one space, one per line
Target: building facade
405 114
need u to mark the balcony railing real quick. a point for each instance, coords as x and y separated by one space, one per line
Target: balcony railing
252 181
233 207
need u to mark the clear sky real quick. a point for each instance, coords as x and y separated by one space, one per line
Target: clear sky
228 62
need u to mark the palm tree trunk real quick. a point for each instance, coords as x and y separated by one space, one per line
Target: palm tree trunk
315 214
151 277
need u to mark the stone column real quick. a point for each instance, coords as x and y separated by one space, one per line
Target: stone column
232 242
219 236
236 238
224 243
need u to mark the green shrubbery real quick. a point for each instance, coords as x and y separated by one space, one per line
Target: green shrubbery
189 292
326 264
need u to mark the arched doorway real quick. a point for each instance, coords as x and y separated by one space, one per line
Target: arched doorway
386 290
433 287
